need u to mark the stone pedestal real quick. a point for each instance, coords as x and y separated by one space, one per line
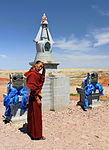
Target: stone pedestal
93 98
55 92
51 65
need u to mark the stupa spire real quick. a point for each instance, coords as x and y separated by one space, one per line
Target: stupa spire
44 44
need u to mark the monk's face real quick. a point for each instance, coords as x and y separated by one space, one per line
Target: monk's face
39 66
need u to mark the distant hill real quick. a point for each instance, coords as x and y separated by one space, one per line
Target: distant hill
75 75
5 73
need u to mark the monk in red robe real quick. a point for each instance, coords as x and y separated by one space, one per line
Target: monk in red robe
35 82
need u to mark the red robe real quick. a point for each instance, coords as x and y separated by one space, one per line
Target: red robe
34 82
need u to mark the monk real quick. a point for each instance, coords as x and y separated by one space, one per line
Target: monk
35 82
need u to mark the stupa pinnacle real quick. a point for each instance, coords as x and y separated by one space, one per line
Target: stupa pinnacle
44 44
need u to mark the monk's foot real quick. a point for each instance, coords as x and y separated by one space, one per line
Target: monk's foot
42 138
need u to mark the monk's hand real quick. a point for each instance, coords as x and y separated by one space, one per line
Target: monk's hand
38 101
43 71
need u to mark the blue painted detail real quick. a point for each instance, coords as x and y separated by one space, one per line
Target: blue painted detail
92 87
12 99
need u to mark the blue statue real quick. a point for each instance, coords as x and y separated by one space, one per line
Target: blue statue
16 89
90 86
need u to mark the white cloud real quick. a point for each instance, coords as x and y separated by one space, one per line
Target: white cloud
101 36
3 56
89 42
100 11
74 44
94 7
104 13
83 61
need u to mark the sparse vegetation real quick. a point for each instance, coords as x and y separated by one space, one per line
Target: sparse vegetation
74 94
103 100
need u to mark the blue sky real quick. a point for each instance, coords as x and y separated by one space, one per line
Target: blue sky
80 29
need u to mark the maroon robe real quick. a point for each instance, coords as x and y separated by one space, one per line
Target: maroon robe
34 82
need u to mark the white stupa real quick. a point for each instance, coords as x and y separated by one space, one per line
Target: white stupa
44 43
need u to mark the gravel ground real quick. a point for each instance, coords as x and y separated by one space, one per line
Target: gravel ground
71 129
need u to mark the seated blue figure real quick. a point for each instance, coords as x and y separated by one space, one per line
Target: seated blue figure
16 89
91 87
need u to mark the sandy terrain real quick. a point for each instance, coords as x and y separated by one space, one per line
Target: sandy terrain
71 129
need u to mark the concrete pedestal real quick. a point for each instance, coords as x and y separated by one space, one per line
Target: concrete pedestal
55 92
51 65
93 99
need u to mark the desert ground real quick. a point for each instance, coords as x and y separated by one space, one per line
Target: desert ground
70 129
